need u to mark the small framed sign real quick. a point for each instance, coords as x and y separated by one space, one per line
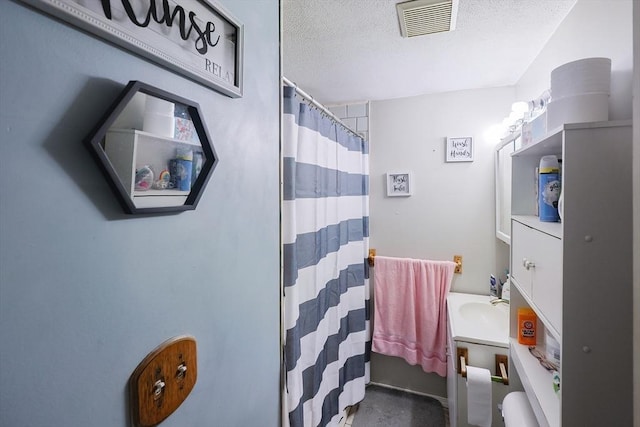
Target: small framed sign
196 38
459 149
398 184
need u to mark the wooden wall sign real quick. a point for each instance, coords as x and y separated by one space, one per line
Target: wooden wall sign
197 38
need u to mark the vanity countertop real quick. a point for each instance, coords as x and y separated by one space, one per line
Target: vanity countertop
472 318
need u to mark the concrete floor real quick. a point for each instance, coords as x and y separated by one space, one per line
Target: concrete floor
384 407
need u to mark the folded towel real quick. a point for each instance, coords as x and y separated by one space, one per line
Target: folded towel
410 317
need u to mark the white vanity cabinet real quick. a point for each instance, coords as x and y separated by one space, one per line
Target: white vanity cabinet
483 337
577 275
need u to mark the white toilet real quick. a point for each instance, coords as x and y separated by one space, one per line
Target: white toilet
517 412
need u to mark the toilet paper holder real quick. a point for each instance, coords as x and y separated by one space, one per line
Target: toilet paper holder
502 362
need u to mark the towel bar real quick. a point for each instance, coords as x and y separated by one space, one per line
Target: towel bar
371 257
457 259
501 366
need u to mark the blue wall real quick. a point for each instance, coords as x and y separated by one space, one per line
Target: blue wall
85 291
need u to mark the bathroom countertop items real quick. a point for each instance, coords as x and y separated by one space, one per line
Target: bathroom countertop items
549 189
527 325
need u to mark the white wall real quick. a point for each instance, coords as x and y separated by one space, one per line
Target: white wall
593 28
451 211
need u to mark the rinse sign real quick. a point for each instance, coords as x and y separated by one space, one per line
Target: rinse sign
196 38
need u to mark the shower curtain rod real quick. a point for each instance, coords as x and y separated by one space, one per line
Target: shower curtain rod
315 103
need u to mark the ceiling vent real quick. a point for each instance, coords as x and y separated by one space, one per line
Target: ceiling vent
420 17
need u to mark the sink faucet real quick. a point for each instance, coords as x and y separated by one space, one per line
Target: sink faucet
498 301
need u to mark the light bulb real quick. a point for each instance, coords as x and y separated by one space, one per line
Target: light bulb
514 116
520 107
494 133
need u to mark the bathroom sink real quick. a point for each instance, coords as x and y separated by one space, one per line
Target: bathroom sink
486 315
472 318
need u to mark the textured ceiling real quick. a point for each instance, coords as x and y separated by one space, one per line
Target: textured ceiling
342 51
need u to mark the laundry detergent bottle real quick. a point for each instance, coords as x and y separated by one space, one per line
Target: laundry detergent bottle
548 189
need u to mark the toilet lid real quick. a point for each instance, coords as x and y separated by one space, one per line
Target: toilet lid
517 412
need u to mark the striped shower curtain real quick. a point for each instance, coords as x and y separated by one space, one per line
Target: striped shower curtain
326 287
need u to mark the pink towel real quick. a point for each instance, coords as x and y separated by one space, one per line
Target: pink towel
410 317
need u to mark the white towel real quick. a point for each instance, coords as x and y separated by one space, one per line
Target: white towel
479 396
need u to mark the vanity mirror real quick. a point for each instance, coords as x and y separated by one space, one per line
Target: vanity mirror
503 187
154 149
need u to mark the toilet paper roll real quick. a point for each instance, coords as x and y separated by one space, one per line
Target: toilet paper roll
159 106
158 124
479 397
517 412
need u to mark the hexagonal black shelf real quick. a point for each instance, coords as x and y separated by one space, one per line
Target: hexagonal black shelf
154 149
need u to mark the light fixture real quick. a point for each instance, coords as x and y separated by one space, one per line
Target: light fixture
520 107
495 133
514 116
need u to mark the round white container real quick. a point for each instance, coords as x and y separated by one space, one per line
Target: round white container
160 106
592 107
159 124
158 117
589 75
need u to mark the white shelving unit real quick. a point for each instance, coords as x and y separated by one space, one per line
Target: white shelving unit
544 402
130 149
577 275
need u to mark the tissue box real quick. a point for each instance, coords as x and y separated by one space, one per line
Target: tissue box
184 129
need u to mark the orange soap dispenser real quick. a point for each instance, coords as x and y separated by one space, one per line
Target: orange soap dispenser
527 320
